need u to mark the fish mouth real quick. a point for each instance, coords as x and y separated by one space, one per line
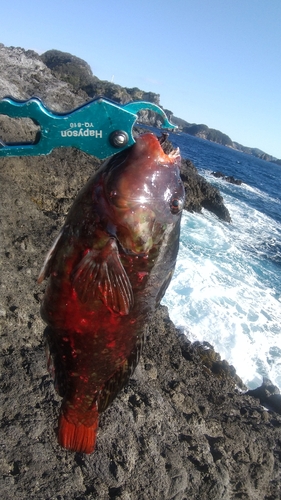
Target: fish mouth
174 153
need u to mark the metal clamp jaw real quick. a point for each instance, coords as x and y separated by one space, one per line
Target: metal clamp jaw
100 127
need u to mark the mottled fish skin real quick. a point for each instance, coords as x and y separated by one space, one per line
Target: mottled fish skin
108 270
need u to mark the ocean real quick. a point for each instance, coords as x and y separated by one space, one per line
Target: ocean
226 288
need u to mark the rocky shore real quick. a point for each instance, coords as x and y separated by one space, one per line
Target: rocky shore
227 178
184 428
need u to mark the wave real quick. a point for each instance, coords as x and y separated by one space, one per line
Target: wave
224 292
227 284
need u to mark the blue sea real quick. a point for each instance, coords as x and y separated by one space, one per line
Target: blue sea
227 284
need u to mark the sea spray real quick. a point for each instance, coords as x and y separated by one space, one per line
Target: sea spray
227 284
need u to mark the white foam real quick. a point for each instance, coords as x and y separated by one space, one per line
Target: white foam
244 187
224 293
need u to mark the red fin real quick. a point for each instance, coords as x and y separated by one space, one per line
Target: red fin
100 274
79 438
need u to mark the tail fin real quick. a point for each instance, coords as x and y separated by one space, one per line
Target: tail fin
79 438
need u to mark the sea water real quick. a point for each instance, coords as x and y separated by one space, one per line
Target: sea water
226 287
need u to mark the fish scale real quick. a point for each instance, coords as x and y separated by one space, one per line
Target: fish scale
107 273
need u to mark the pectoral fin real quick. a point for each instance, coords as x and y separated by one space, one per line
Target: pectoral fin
100 274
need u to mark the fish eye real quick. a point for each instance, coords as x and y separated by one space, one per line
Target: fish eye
176 205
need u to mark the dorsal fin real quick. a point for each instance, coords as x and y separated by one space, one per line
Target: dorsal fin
47 266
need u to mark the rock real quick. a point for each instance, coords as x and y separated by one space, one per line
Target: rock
78 73
183 428
24 75
200 193
69 68
268 394
227 178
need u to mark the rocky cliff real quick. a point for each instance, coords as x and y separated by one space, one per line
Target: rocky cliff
183 428
78 73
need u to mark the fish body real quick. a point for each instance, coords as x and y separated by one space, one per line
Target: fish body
108 270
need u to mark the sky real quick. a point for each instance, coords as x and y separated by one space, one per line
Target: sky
216 62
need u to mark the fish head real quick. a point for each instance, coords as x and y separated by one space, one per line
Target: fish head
145 193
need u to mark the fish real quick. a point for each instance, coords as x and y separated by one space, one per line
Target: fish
107 272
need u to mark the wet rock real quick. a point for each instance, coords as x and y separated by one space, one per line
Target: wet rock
227 178
200 193
268 394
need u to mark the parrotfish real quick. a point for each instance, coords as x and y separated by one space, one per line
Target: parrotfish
108 270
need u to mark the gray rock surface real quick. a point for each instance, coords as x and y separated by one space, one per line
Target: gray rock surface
183 428
24 75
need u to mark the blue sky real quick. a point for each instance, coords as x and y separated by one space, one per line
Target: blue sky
216 62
